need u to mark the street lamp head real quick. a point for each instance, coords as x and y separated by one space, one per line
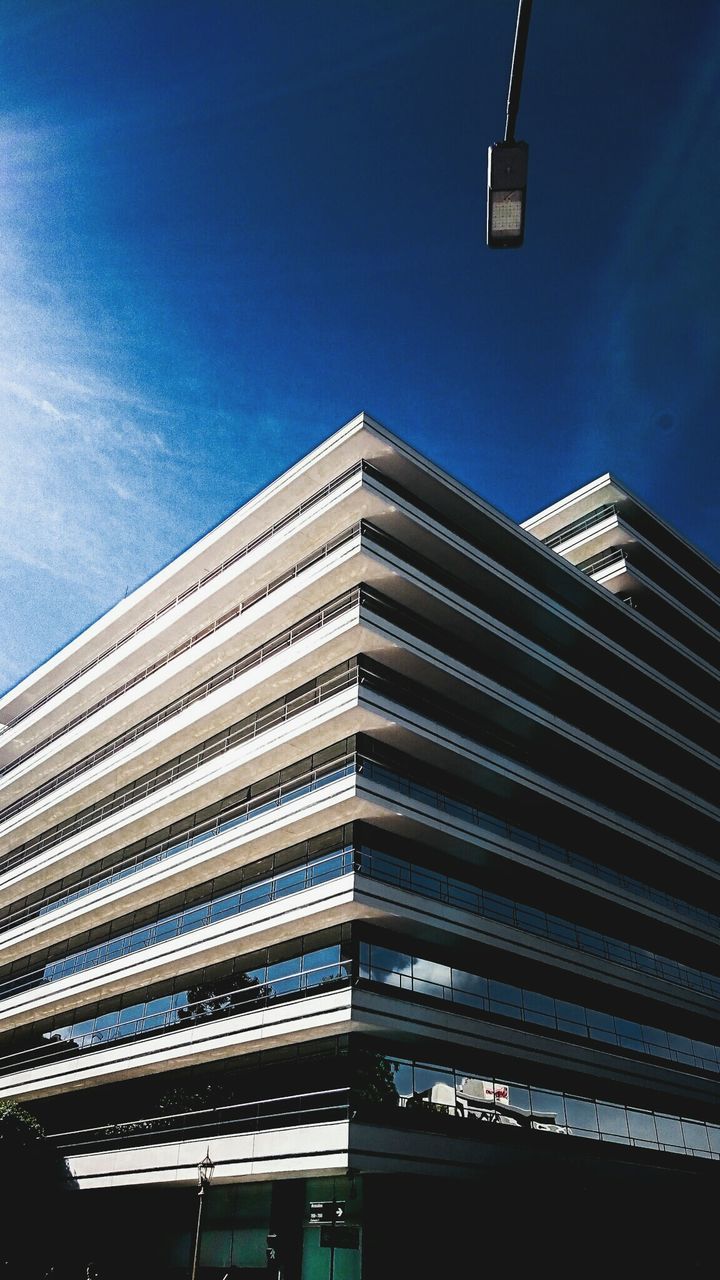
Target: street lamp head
205 1171
507 182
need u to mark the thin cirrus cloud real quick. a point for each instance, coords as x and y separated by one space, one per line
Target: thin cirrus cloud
83 495
86 467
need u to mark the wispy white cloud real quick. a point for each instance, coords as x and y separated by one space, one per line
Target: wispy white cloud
87 464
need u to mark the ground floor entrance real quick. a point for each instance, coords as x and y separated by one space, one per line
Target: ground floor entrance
599 1218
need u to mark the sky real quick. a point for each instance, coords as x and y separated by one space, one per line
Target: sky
227 226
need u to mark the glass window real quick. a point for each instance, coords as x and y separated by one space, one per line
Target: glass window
502 993
436 990
600 1033
706 1051
323 956
541 1019
534 1002
713 1132
613 1120
641 1125
474 998
434 979
669 1131
469 986
106 1020
336 865
283 986
225 907
498 909
427 1077
254 895
403 1077
695 1135
326 973
384 958
561 931
159 1005
547 1108
463 895
280 969
520 1098
653 1036
82 1028
603 1021
572 1013
193 917
581 1115
457 809
175 925
530 918
681 1044
154 1022
634 1039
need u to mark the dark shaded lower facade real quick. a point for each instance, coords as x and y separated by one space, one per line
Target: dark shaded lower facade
570 1216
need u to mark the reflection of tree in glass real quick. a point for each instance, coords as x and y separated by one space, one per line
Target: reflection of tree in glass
373 1078
217 999
181 1098
417 1103
327 980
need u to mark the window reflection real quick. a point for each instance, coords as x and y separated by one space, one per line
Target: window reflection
477 817
226 990
431 979
420 1088
494 906
194 917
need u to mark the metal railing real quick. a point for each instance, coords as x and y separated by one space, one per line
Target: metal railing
313 622
578 526
208 630
387 869
234 815
226 740
325 491
211 910
478 817
530 919
183 1014
489 997
323 1107
601 561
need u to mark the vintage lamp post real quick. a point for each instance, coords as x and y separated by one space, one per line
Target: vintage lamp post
205 1171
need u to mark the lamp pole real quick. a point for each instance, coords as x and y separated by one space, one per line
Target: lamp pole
205 1171
507 160
516 71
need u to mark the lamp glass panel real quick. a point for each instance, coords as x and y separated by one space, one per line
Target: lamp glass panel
506 212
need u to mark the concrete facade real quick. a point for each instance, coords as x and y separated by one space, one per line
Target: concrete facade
370 848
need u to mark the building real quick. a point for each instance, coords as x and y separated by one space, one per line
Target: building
369 850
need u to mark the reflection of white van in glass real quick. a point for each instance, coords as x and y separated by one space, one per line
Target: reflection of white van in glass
488 1101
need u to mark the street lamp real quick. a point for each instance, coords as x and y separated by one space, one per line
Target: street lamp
205 1171
507 160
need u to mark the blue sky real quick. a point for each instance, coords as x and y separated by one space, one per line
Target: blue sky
228 226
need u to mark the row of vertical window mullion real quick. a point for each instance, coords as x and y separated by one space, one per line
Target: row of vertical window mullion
524 1005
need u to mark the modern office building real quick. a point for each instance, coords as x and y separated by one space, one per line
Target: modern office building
368 853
